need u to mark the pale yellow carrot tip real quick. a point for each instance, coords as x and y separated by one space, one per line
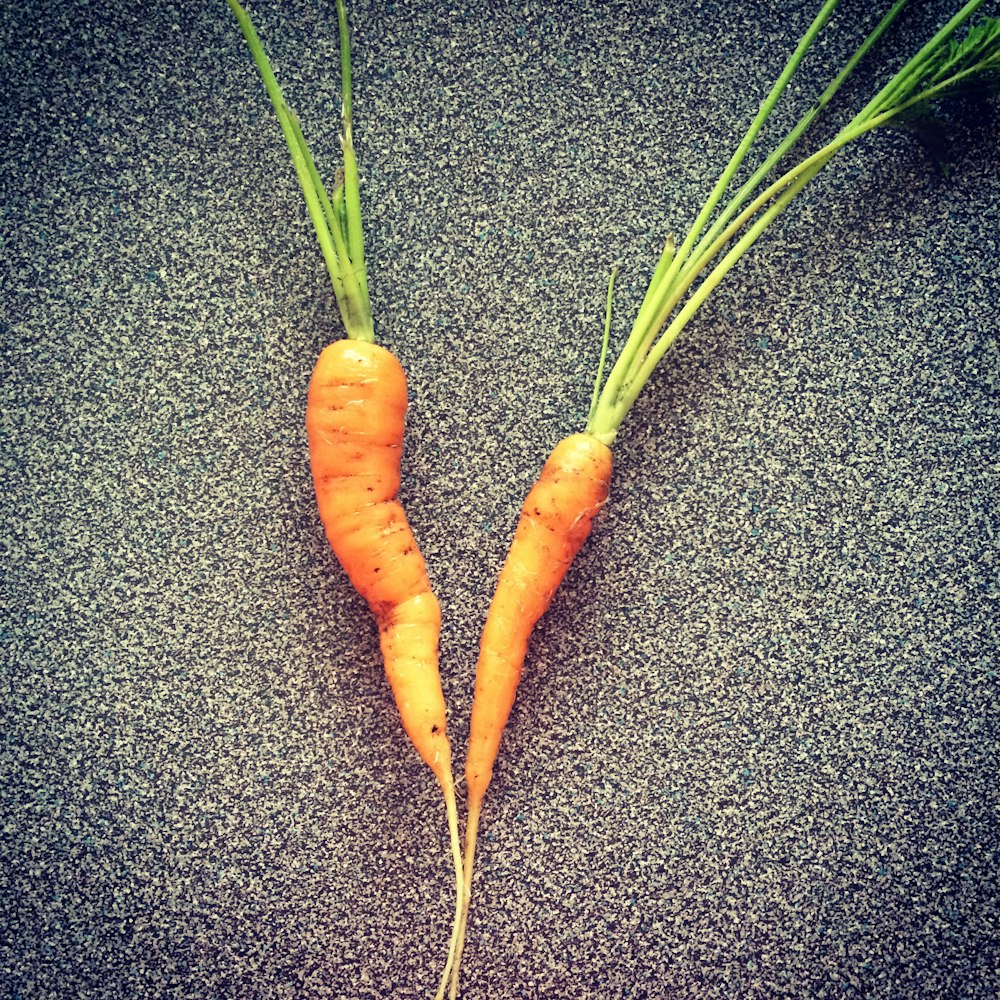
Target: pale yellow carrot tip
460 891
475 807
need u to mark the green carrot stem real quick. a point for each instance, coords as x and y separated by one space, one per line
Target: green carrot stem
659 292
315 180
655 283
346 91
925 76
340 205
346 273
697 258
352 191
786 145
863 122
704 289
903 80
819 159
288 129
604 345
785 188
763 113
345 284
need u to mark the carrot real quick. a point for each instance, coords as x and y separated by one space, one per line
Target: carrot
557 515
554 523
355 421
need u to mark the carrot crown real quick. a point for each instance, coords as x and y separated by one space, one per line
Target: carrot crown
945 65
337 220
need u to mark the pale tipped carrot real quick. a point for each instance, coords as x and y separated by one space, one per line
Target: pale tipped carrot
355 422
555 521
557 515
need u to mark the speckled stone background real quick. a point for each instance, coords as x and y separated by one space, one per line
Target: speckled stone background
755 751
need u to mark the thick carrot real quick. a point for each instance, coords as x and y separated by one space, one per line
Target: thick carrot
555 521
355 421
354 418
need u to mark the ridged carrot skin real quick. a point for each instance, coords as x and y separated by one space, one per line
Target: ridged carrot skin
354 419
555 521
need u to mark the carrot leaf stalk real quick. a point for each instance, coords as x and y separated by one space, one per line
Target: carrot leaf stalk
340 234
559 510
948 65
355 422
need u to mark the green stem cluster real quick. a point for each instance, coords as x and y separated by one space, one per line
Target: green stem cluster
338 219
675 292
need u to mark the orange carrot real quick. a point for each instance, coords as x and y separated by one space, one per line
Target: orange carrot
555 521
557 515
354 418
355 421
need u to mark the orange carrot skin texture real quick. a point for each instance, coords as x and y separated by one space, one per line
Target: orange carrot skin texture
354 419
555 521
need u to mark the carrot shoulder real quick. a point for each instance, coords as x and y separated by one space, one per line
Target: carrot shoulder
355 419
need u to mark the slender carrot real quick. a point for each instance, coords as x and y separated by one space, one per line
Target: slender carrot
554 523
355 421
557 516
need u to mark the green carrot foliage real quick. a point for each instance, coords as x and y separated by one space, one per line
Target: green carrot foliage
337 222
952 63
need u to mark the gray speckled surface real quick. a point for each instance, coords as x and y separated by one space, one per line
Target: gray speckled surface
755 749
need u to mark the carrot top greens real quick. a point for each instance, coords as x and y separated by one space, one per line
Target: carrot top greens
946 65
337 221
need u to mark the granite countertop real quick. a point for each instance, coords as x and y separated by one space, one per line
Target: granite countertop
755 750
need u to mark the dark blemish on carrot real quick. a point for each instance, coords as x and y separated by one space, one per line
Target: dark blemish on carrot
385 615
